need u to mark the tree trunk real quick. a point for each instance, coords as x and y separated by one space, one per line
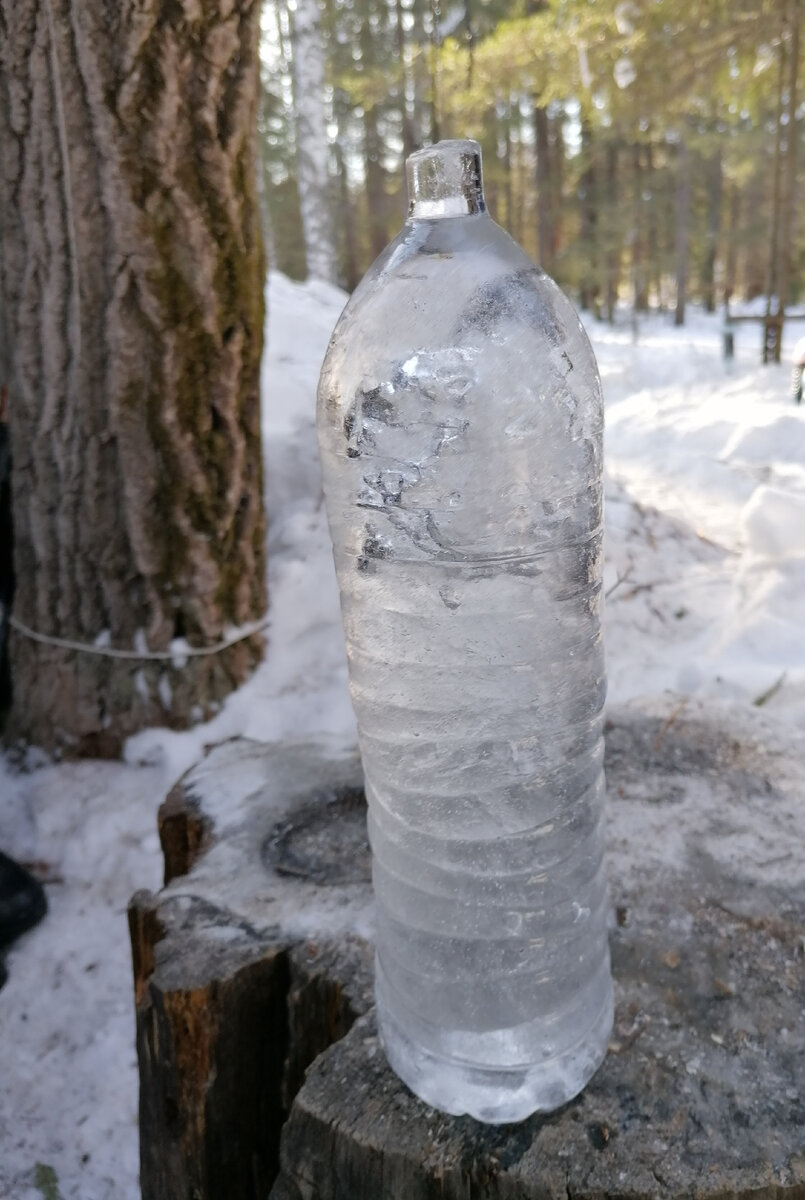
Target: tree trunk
375 182
406 121
714 193
131 271
639 285
507 166
773 266
266 222
731 241
519 184
730 255
753 263
352 273
544 205
435 69
6 560
682 226
311 142
613 253
653 254
558 168
590 280
373 154
789 172
421 113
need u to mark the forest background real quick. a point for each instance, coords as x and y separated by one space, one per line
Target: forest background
638 149
644 152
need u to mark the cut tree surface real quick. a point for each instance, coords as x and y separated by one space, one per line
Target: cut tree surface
249 966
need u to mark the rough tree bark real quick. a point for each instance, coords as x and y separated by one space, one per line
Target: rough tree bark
6 555
131 284
311 141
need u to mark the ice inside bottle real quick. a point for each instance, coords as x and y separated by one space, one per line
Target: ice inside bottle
460 427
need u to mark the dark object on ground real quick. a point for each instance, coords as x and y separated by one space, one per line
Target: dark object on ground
22 900
3 973
254 961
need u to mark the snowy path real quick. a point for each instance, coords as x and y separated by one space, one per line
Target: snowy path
705 569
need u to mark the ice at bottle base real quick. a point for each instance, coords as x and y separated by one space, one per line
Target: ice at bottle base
460 425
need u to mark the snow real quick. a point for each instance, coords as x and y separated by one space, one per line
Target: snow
706 524
705 573
773 524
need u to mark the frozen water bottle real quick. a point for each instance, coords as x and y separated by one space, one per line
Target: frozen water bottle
460 426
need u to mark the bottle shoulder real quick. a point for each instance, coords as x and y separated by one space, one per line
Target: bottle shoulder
465 249
456 304
444 281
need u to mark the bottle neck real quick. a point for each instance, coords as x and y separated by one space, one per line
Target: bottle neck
445 180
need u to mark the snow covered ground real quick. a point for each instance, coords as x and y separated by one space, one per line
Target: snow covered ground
705 574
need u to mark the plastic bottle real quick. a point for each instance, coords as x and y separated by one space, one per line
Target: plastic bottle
460 427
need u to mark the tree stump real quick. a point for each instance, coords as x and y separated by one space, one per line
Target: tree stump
250 964
253 959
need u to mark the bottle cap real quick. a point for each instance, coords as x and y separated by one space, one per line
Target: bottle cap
445 180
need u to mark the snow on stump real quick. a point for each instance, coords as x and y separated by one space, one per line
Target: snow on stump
255 959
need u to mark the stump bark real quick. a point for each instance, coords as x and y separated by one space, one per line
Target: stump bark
256 959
